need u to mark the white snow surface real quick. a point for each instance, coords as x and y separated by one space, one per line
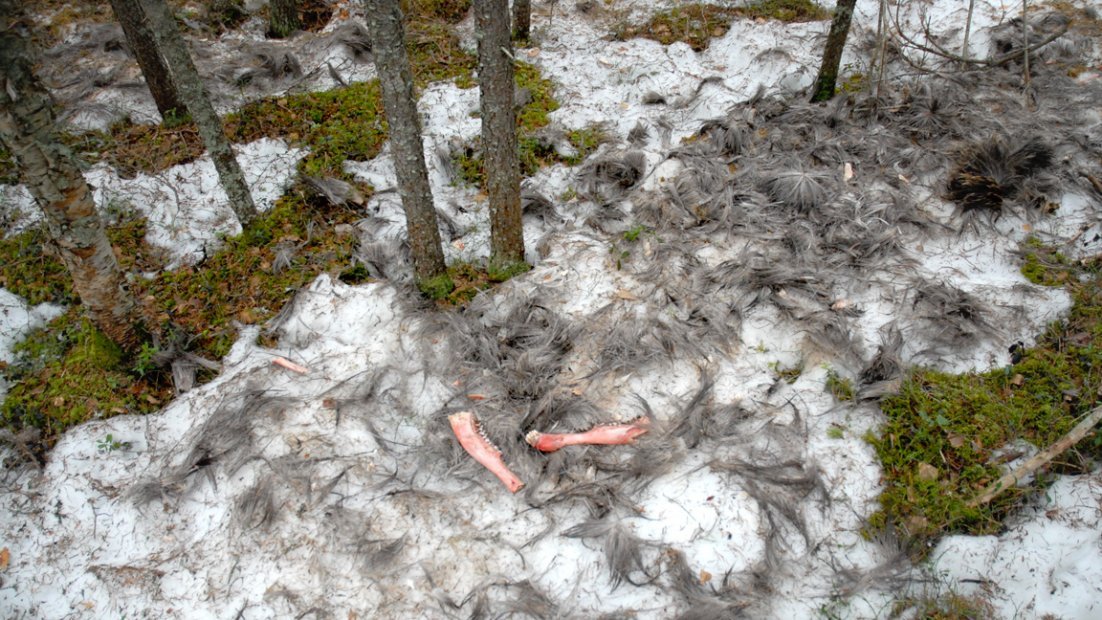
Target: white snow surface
268 494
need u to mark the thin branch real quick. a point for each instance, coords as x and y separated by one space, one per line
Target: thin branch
937 50
1040 459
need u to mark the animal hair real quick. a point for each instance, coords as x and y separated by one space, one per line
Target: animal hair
623 550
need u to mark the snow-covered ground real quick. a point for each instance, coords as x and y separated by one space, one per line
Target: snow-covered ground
342 493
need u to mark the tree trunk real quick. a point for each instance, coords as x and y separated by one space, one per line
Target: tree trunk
28 131
499 131
194 95
384 26
522 19
144 48
282 18
832 55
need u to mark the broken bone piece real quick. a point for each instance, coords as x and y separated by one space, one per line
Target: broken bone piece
289 365
466 429
604 435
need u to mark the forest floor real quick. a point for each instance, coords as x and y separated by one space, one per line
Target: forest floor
843 320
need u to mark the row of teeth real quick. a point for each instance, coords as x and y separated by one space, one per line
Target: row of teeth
478 427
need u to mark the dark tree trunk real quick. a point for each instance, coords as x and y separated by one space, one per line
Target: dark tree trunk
282 18
384 26
194 95
522 19
142 45
499 131
832 55
28 131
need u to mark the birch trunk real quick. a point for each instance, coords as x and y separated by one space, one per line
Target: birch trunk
499 131
142 45
832 54
194 95
28 131
384 25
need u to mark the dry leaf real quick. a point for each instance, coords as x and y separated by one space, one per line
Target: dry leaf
705 576
5 558
927 472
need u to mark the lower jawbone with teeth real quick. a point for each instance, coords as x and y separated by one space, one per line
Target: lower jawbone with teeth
607 435
465 426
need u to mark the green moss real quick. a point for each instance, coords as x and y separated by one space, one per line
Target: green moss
535 152
30 268
250 278
1044 265
69 373
585 141
339 124
788 373
467 280
435 53
942 429
500 272
437 288
841 388
948 606
698 24
533 116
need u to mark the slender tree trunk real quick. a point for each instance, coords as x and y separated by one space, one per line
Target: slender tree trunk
140 39
194 95
832 54
384 26
522 19
499 131
28 131
965 53
282 18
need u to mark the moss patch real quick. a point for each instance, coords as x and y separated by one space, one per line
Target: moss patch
30 268
339 124
942 431
1044 265
69 373
250 278
535 151
698 24
468 280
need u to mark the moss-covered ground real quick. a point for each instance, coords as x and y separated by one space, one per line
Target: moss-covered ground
940 446
697 24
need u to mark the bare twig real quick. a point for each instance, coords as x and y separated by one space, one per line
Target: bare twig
1039 460
931 47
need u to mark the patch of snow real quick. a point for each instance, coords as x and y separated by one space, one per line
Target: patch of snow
186 208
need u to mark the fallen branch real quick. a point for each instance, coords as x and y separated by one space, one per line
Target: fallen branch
1040 459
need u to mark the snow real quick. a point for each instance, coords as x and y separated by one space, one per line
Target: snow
341 491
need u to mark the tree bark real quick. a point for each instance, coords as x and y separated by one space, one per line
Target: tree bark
194 95
384 26
522 19
499 131
28 131
144 48
832 54
282 18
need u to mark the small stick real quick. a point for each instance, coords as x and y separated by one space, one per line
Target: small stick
289 365
1040 459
